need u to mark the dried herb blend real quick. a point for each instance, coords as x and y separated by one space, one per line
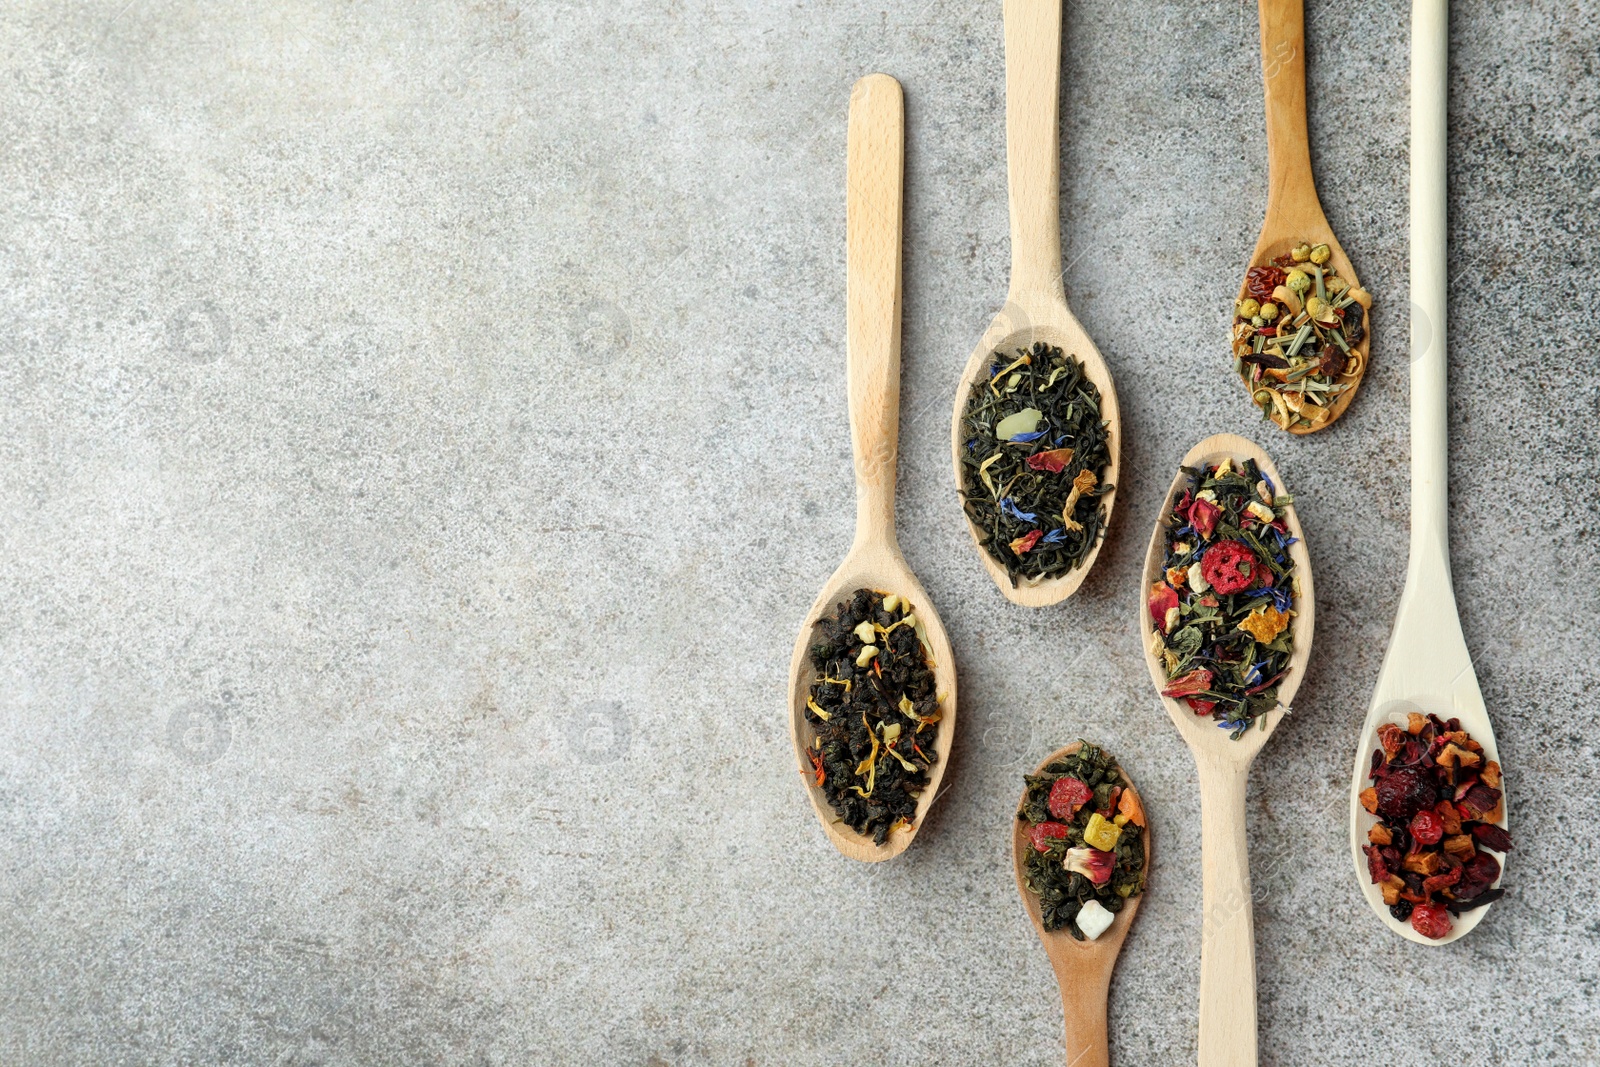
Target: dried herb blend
875 711
1085 853
1034 462
1295 334
1438 803
1221 611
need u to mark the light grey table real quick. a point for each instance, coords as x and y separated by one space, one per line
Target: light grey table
422 429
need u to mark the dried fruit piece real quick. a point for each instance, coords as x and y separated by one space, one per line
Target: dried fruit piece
1067 795
1403 793
1196 681
1430 921
1128 804
1426 827
1044 833
1229 566
1164 606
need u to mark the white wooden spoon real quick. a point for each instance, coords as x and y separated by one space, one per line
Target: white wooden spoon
1036 306
1227 946
1427 668
872 253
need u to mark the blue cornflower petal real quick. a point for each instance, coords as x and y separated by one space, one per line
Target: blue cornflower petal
1054 537
1011 509
1034 436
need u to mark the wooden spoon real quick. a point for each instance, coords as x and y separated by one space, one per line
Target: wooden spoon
1227 948
872 244
1036 306
1427 668
1083 968
1294 213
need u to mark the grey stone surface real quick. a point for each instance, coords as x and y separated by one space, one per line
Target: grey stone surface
423 429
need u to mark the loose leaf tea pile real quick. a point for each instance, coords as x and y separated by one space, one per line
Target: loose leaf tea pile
875 712
1032 467
1085 853
1223 604
1295 334
1438 803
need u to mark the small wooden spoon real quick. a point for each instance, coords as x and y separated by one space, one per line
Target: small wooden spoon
1427 668
872 244
1036 307
1083 968
1294 212
1227 948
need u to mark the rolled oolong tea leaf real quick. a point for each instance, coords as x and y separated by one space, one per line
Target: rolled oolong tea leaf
1086 829
1221 612
875 710
1296 333
1034 460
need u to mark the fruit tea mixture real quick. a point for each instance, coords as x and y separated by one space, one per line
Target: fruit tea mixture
1295 336
875 711
1438 802
1034 461
1085 854
1223 604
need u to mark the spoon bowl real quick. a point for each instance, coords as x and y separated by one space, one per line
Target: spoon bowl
879 567
873 223
1227 951
1083 968
1294 211
1036 307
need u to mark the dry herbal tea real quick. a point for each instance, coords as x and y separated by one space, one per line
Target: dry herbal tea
1222 607
875 711
1438 802
1295 334
1085 853
1036 452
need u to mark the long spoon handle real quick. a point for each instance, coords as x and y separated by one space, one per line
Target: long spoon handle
1083 1003
1430 34
1291 192
1227 939
1033 146
872 303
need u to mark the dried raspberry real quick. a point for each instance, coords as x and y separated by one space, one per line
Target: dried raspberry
1067 795
1430 920
1229 566
1427 827
1045 832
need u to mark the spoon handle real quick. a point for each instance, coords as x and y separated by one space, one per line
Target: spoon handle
875 165
1430 33
1083 1004
1227 941
1033 146
1291 192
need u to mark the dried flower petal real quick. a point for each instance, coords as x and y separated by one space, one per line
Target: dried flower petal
1055 460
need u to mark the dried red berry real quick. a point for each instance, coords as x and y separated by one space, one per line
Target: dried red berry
1427 827
1046 832
1430 920
1260 281
1202 707
1229 566
1067 795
